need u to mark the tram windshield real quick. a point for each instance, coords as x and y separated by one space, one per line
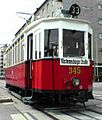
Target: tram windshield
73 43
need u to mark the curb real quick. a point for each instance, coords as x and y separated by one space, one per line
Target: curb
3 100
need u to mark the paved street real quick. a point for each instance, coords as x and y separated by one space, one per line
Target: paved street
98 87
12 108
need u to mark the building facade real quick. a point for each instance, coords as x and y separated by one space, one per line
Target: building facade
2 61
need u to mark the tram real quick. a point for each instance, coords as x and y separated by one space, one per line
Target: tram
52 58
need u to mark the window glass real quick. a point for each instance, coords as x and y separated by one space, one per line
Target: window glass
18 50
51 39
100 6
100 21
89 45
15 53
30 46
10 53
100 36
73 43
35 46
22 50
39 45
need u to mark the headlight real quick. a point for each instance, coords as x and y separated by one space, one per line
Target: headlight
75 82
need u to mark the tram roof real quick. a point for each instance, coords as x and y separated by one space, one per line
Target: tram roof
49 19
54 19
35 23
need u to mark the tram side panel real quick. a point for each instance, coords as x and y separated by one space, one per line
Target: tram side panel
49 75
8 76
42 75
18 76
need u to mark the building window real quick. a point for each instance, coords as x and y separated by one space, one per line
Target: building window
48 7
53 14
43 10
48 16
100 36
100 6
100 21
59 0
53 2
100 50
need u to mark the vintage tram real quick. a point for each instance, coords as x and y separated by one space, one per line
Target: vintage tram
52 58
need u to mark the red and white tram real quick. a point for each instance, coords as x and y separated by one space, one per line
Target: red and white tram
52 57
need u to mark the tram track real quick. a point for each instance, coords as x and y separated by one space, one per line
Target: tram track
90 112
71 112
78 114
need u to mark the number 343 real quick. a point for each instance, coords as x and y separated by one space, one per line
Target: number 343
74 70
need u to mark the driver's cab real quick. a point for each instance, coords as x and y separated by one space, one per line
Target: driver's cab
61 38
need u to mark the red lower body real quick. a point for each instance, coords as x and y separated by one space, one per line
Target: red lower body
48 75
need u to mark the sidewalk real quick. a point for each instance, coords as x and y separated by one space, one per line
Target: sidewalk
10 108
4 95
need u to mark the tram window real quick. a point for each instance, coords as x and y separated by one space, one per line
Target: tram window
51 37
40 45
35 46
19 50
89 45
22 50
10 56
15 53
30 46
73 43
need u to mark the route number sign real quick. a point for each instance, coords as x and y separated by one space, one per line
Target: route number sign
75 10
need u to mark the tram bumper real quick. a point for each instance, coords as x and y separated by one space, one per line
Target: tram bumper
84 96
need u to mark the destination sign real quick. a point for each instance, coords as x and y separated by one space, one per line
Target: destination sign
72 61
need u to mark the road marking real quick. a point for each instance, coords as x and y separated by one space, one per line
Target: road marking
18 117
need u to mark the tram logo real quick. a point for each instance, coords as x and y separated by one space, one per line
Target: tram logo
72 61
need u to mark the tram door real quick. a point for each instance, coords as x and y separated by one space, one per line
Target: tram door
29 59
30 47
51 50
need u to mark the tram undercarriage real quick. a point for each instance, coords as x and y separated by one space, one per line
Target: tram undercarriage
55 97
